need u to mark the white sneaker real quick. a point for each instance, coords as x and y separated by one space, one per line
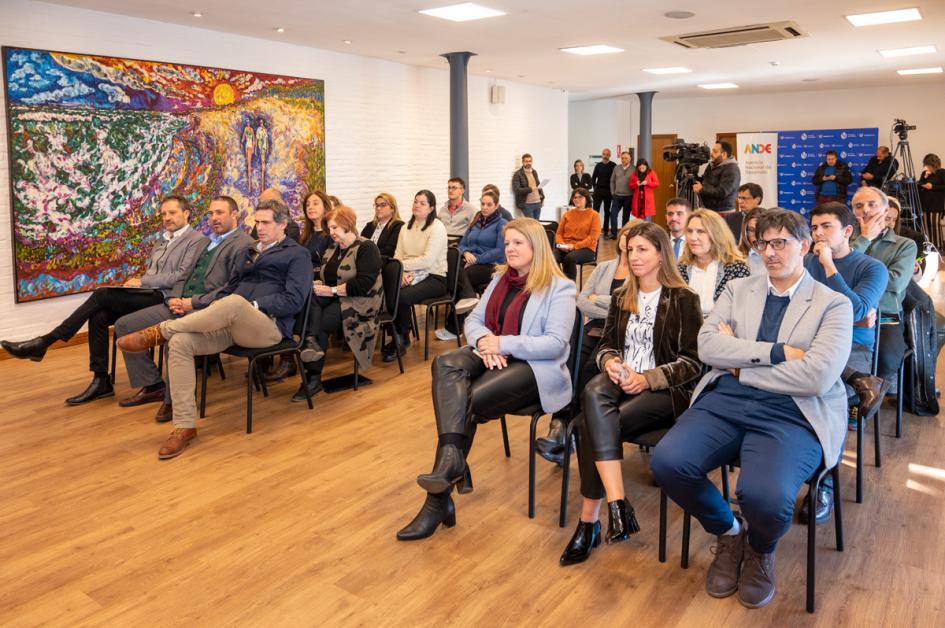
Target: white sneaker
443 334
464 306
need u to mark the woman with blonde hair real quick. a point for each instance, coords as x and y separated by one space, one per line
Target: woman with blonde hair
649 361
385 228
710 258
518 343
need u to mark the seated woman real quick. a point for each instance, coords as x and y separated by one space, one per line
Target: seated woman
593 302
385 228
710 258
518 345
315 235
422 249
756 263
578 231
649 361
347 296
643 183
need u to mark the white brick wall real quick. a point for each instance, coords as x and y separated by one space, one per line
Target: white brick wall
387 124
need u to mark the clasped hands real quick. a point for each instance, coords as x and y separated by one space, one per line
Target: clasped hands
180 306
488 347
626 378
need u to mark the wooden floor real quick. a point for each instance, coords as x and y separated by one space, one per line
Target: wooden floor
294 524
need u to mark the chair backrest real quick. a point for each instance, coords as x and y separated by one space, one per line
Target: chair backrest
452 271
550 224
551 238
577 342
392 276
876 329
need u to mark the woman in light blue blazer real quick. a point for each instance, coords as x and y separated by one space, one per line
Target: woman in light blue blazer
517 355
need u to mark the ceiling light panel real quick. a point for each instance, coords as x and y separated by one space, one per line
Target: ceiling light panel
464 12
885 17
596 49
672 70
906 52
718 86
919 71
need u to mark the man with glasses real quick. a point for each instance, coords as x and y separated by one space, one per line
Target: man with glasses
457 213
749 197
898 254
677 214
777 344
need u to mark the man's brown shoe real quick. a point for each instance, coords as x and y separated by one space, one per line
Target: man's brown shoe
143 340
871 390
142 397
176 442
722 578
164 414
756 586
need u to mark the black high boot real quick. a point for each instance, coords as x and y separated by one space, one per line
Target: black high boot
438 508
449 469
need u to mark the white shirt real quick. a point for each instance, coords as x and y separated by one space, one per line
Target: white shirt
789 293
171 236
378 229
703 283
756 263
262 248
638 339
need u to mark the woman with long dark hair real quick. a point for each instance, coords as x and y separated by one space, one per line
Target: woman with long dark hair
643 182
932 197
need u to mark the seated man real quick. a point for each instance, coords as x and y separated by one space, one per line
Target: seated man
171 260
898 254
773 399
216 266
256 310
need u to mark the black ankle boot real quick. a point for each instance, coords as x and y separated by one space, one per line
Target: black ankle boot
465 486
449 469
311 352
438 508
314 385
33 349
623 522
585 539
391 353
100 387
553 443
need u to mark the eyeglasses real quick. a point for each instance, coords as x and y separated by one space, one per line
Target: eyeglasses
777 244
381 204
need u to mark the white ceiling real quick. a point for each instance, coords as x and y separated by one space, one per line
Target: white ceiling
523 45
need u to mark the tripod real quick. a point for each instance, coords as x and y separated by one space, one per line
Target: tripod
905 189
684 180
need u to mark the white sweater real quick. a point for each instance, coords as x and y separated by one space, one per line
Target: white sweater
423 250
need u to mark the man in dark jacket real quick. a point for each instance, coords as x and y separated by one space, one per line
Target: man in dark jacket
832 178
257 309
720 181
600 179
529 197
880 165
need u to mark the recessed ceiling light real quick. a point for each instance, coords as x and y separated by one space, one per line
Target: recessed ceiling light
718 85
196 13
463 12
488 71
920 71
885 17
596 49
279 29
905 52
672 70
678 15
347 42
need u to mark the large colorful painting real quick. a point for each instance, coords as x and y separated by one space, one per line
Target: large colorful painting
95 142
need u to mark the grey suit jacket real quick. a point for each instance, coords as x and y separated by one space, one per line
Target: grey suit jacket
818 321
172 261
226 263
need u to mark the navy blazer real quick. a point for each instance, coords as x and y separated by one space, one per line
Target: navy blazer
278 280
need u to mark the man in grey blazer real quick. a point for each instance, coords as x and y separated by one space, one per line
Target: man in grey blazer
218 263
777 344
172 258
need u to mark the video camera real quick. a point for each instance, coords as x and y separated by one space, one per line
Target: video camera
684 154
902 129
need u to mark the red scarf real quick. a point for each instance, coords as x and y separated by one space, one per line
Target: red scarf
511 279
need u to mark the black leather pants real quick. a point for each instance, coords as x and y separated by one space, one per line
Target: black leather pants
612 417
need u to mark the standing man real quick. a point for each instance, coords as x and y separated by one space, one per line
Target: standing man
600 180
777 344
457 213
256 311
879 166
749 197
677 215
620 193
832 178
219 263
528 196
171 260
720 181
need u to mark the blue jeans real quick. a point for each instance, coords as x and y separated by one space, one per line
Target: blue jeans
532 210
777 446
619 203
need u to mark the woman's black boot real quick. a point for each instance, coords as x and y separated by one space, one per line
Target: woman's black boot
623 522
585 539
436 509
449 469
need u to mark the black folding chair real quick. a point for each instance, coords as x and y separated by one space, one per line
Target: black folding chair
449 300
392 276
861 424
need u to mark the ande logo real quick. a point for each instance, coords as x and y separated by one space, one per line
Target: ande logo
756 149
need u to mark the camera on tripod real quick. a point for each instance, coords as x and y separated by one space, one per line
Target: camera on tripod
685 154
901 128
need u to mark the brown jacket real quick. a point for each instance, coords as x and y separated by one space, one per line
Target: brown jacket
675 342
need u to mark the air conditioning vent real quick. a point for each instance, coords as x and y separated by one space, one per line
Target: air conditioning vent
738 36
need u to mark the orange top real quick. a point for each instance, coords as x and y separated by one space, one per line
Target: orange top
580 228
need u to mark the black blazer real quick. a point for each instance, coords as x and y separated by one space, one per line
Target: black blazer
584 181
844 177
387 242
675 342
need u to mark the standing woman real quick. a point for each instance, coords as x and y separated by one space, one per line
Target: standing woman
710 258
518 339
577 234
580 179
932 197
756 263
422 249
649 359
643 182
385 228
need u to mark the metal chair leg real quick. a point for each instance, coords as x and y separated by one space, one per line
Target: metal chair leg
837 506
426 336
725 488
900 383
301 370
811 543
859 459
565 476
662 540
877 453
250 377
686 528
203 387
531 464
505 437
355 373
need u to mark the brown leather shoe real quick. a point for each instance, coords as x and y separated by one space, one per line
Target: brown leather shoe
143 340
164 414
278 372
176 442
142 397
871 390
723 574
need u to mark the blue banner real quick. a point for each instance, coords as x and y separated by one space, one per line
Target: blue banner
800 152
